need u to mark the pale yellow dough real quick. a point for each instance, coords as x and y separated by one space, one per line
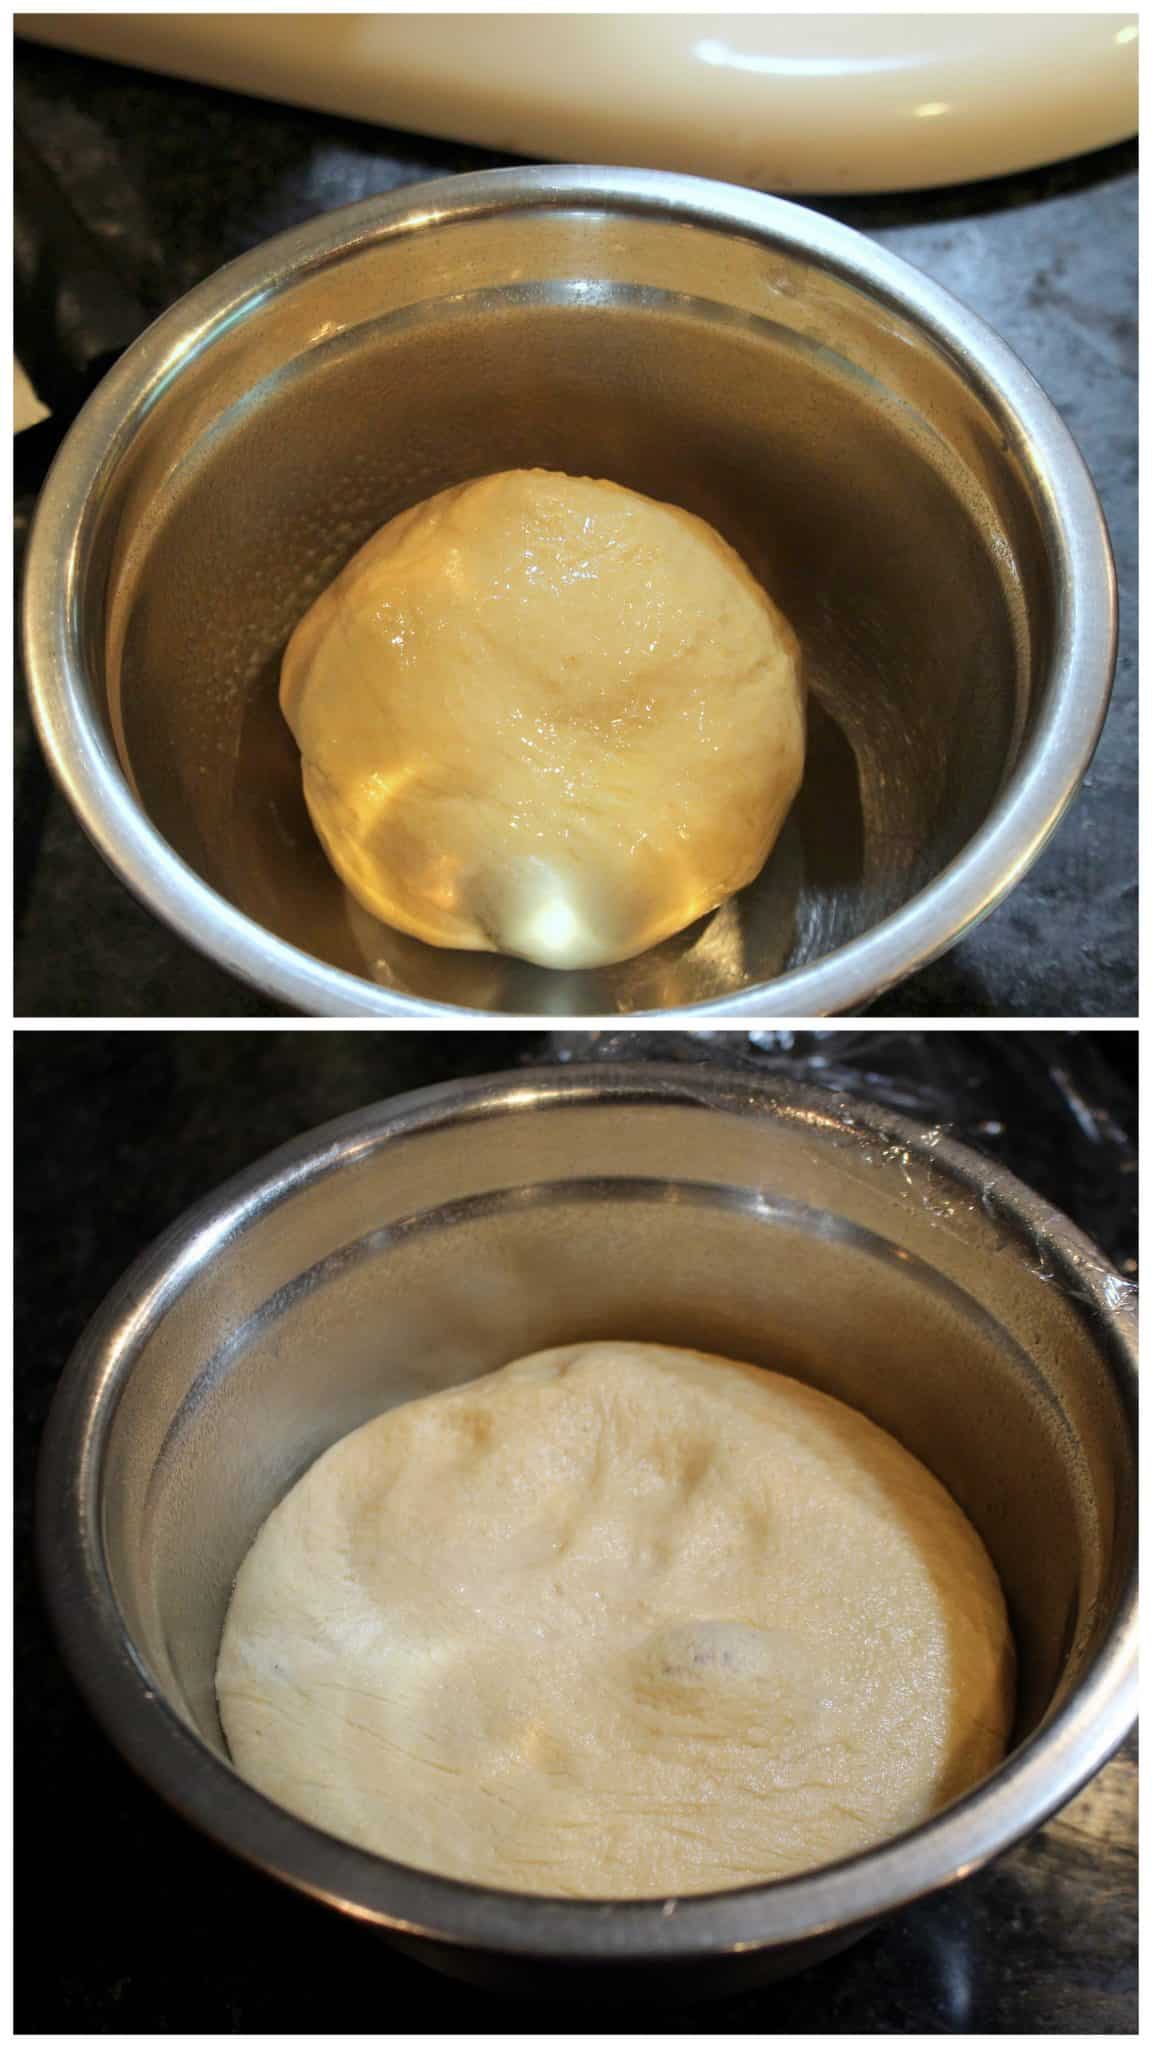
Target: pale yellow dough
543 715
617 1621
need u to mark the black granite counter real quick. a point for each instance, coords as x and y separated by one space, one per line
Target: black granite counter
153 1930
175 179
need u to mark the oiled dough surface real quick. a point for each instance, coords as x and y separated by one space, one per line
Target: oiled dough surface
546 716
616 1621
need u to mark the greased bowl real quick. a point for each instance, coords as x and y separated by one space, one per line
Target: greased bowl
883 462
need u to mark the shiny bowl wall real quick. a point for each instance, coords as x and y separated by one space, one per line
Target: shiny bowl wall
884 464
434 1237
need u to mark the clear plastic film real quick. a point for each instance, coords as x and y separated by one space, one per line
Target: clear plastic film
1057 1109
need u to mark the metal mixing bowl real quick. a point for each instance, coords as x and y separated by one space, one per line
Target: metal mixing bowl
433 1237
883 462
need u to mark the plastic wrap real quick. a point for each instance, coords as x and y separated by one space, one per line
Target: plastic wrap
1055 1108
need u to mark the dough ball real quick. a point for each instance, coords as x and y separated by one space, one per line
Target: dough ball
617 1622
543 715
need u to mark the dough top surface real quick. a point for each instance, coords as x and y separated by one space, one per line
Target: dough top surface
547 716
617 1621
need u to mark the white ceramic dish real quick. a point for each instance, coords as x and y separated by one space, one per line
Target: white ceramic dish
782 102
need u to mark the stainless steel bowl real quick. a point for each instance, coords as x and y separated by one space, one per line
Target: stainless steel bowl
433 1237
882 461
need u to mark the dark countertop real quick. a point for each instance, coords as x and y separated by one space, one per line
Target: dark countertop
155 1930
175 179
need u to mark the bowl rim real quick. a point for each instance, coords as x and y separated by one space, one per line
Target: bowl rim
1041 784
1036 1779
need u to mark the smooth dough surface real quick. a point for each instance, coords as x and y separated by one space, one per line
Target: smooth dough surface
617 1621
546 716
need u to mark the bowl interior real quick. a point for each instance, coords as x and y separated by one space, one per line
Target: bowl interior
863 478
429 1259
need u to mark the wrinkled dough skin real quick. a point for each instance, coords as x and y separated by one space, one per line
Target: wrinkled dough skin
545 716
617 1621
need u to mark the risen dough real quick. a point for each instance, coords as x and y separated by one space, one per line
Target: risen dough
616 1621
546 716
